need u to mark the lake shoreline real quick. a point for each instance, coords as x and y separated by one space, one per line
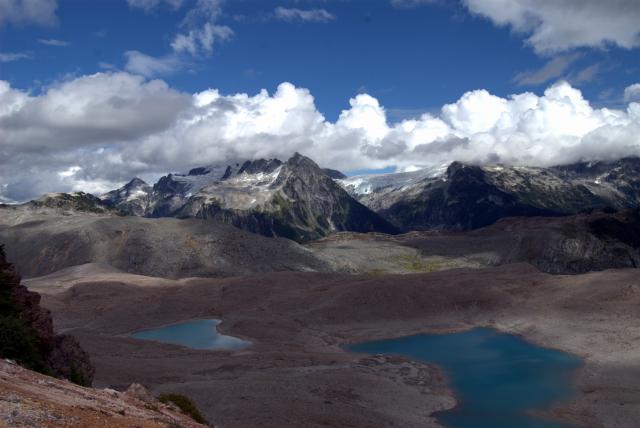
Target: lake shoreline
299 321
441 350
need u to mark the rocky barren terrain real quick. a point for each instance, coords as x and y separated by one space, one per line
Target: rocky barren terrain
296 372
44 240
29 399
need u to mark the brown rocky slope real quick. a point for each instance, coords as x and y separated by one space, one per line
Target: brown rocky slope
30 399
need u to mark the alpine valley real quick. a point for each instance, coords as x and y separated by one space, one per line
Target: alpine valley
301 261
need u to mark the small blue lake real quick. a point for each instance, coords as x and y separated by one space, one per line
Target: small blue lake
497 378
196 334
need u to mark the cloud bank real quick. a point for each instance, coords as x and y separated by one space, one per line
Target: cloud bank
20 12
558 25
95 132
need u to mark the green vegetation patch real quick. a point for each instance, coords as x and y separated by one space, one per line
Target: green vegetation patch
20 343
415 263
185 404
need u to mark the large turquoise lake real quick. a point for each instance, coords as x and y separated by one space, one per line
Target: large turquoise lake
497 378
196 334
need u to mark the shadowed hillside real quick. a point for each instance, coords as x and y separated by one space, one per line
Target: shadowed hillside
27 336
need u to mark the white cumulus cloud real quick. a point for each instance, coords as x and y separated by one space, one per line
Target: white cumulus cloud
98 131
559 25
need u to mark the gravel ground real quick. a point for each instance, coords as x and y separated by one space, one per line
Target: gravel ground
296 373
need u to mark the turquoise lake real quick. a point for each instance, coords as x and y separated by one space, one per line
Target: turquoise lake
497 377
197 334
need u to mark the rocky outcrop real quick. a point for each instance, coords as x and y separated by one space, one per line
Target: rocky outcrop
28 336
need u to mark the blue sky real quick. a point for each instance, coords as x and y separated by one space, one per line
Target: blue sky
412 59
95 92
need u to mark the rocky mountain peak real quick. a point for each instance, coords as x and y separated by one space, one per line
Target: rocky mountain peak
132 198
136 182
133 187
472 196
301 161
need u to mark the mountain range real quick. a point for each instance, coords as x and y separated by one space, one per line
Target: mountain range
297 199
463 197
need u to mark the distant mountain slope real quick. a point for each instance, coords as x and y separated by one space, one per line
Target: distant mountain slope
44 240
469 196
557 245
76 201
295 199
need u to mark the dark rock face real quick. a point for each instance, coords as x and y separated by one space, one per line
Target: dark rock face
27 333
321 206
575 244
624 228
470 197
199 171
306 204
260 165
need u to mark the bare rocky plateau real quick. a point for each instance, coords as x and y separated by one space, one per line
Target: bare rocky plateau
297 374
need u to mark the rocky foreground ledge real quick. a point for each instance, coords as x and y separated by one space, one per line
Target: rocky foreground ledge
30 399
